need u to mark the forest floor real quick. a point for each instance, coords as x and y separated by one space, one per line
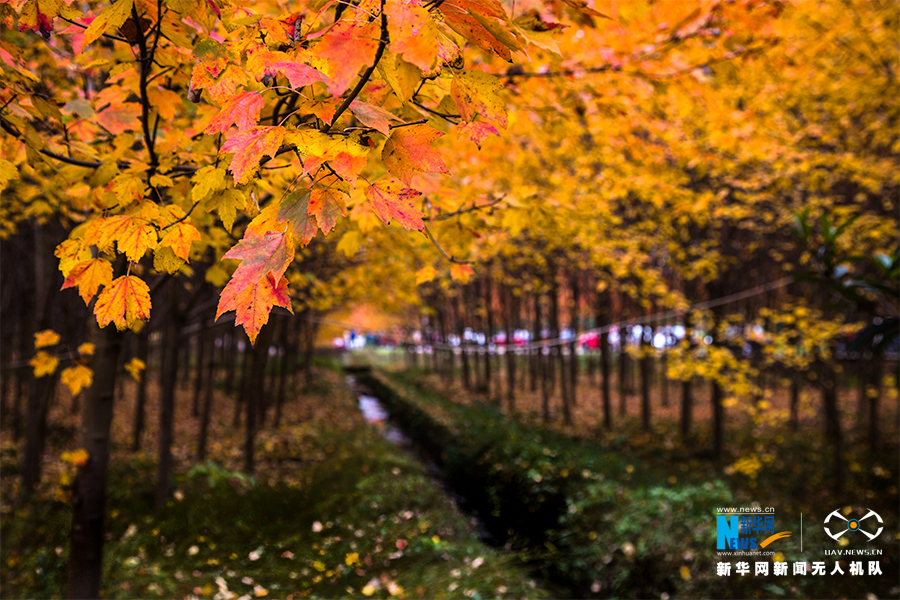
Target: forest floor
334 510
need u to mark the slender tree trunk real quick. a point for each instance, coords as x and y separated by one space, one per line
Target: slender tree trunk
556 350
89 491
533 354
168 381
717 409
492 389
573 346
875 376
204 338
604 373
510 351
231 356
623 368
142 353
43 388
687 401
645 382
260 355
795 401
284 366
543 362
833 433
241 398
463 345
207 397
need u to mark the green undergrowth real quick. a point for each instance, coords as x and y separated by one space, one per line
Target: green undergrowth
359 518
604 516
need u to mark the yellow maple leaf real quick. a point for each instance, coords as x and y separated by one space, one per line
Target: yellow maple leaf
179 237
89 276
86 349
124 302
134 368
461 273
45 338
76 457
77 378
44 364
425 275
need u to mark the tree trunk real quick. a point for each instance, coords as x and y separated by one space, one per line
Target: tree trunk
573 346
142 353
510 351
795 401
203 341
260 355
687 401
833 433
241 398
533 355
207 397
645 381
623 367
875 376
167 383
89 490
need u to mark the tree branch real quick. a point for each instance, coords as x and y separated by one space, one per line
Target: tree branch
382 43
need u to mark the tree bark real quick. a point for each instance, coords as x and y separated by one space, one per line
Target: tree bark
645 381
687 407
207 398
168 380
89 491
573 346
142 353
260 355
510 353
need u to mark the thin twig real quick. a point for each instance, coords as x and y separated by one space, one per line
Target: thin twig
450 215
441 249
106 35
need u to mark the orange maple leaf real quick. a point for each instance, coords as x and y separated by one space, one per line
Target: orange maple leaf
476 92
89 276
119 118
299 74
348 47
327 205
373 116
242 110
133 235
409 150
253 303
392 200
123 302
257 285
180 236
249 147
482 22
412 32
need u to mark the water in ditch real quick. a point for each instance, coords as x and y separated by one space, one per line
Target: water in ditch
375 414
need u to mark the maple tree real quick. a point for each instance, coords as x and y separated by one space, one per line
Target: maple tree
633 158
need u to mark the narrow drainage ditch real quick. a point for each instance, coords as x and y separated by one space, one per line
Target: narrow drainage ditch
375 414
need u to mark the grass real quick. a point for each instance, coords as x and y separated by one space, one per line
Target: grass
632 514
335 511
